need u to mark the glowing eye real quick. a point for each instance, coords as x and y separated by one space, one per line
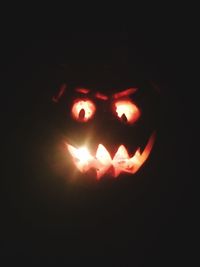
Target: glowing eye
127 111
83 110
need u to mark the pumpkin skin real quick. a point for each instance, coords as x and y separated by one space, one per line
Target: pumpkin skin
109 122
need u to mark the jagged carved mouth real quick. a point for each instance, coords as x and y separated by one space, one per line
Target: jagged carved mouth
102 162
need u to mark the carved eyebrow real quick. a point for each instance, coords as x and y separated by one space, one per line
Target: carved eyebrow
101 96
126 92
60 93
82 90
86 91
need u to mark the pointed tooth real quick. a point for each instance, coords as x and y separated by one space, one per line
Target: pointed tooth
136 157
119 160
83 164
104 159
103 155
72 150
139 158
138 152
121 154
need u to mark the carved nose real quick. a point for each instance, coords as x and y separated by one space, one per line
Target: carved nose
81 114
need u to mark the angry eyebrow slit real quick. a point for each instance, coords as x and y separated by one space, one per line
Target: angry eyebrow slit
101 96
126 92
60 93
82 90
86 91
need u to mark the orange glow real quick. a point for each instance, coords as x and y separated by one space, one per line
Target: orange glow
127 109
82 90
102 161
82 158
83 110
126 92
101 96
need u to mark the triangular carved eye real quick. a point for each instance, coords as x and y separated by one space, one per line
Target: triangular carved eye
126 111
83 110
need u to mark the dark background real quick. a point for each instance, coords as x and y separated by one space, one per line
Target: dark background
135 221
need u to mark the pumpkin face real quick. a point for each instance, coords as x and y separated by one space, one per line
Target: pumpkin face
109 130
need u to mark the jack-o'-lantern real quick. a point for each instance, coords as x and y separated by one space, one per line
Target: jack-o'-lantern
110 126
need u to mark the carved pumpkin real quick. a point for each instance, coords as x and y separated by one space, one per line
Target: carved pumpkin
109 129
